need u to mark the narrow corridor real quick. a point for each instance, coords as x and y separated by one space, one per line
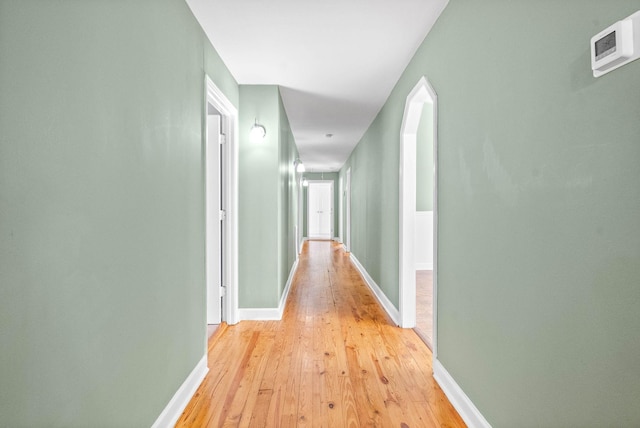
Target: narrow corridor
335 360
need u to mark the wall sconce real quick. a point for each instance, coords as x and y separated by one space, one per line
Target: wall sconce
257 132
305 183
299 165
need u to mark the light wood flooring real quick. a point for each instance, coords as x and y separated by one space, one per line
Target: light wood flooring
424 305
335 360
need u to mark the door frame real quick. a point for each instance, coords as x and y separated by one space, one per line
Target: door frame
340 210
331 182
213 172
421 94
300 213
347 210
229 162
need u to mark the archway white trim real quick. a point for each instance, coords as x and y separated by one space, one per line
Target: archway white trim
421 94
229 125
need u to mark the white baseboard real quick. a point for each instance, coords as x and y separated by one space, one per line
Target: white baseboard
270 314
424 266
183 395
287 288
259 314
377 291
465 407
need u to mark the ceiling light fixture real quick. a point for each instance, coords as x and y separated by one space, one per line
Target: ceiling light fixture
257 132
305 183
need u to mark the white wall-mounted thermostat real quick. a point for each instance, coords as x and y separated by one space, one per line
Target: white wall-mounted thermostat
616 46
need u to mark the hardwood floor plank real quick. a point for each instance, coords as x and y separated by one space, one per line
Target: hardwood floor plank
215 385
317 408
261 409
247 394
349 409
305 391
334 360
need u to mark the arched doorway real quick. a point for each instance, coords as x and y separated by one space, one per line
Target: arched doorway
421 95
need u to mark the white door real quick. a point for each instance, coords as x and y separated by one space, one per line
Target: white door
320 210
213 173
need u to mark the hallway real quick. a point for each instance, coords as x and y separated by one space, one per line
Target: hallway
335 360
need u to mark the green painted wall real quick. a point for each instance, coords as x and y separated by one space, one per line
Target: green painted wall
258 205
102 287
266 227
288 198
539 194
424 160
333 176
374 199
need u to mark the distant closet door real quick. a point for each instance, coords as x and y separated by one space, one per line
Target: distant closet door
320 210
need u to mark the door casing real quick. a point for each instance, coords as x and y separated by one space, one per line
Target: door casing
422 93
214 179
347 210
229 163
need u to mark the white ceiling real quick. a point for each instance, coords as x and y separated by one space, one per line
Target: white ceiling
335 60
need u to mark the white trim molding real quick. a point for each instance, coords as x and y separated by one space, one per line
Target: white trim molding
377 291
260 314
271 314
421 94
183 395
424 266
460 401
229 124
347 211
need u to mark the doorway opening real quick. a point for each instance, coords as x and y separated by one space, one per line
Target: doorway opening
418 230
300 218
214 182
220 160
347 211
320 209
